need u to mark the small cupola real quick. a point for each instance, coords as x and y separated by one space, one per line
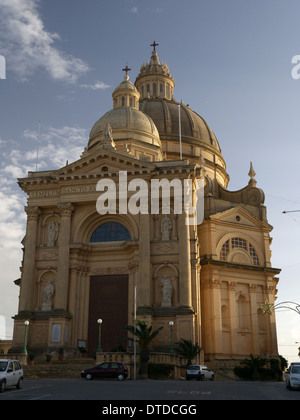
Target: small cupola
126 94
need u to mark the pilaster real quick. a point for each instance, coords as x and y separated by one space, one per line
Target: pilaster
184 262
28 272
62 281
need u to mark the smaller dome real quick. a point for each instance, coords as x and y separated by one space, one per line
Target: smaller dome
129 125
126 124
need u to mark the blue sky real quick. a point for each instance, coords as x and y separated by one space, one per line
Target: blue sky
232 63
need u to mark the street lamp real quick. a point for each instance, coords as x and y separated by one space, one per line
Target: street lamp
99 350
171 323
24 351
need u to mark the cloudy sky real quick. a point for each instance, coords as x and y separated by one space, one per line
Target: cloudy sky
232 62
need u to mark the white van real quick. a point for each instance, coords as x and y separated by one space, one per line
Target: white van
11 374
292 376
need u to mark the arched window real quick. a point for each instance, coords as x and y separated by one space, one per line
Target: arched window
224 251
233 243
110 232
154 89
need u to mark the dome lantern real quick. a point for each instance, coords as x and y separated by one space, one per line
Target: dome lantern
126 94
154 79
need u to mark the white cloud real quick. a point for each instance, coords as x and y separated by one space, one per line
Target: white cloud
29 47
135 10
55 147
96 86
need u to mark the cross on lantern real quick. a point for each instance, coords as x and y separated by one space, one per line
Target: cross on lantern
127 69
154 45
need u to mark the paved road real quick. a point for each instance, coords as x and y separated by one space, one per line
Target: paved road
155 391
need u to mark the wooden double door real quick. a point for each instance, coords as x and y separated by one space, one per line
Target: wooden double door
108 301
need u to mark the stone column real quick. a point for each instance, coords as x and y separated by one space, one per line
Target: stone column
28 272
62 280
233 318
217 314
271 319
144 282
72 306
184 262
254 319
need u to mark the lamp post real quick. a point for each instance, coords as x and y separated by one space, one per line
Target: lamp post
171 323
24 351
99 350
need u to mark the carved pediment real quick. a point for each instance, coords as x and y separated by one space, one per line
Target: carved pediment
239 216
103 161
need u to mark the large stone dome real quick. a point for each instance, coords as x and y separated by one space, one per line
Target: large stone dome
156 85
165 114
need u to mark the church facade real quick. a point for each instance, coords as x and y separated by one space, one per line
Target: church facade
95 248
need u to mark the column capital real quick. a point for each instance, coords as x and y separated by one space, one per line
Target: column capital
32 212
66 209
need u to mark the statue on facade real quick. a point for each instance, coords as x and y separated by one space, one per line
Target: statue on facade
47 296
52 233
107 142
108 133
166 292
166 227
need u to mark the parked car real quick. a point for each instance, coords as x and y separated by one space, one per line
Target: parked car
106 370
292 376
11 374
199 372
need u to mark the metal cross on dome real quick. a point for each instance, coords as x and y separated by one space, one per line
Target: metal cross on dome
127 69
154 45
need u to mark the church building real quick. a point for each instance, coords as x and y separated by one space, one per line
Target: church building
102 244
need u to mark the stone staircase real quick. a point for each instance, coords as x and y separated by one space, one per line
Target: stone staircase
65 369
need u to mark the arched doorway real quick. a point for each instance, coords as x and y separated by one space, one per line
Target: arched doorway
108 294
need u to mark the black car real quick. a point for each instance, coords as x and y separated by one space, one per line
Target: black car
106 370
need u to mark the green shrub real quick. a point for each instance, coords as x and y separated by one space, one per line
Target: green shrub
159 370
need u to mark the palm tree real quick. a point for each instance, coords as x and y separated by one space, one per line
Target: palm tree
144 336
254 364
188 350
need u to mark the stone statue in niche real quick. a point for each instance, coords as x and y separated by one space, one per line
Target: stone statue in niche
47 296
108 133
52 233
166 292
165 228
